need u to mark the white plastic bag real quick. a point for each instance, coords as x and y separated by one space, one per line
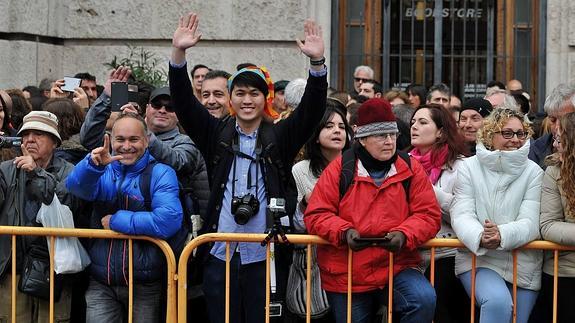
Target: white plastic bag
70 256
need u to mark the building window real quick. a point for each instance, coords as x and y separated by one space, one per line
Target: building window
463 43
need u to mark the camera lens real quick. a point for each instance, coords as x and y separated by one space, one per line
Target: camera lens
243 214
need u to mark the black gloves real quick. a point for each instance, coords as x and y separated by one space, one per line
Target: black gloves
350 236
393 241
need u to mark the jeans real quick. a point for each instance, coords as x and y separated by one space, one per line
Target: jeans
109 304
413 300
247 290
494 295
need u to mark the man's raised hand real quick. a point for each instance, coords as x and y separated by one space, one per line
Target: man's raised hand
101 156
312 46
120 74
25 162
186 35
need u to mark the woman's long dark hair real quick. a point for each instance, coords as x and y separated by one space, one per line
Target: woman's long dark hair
317 161
450 134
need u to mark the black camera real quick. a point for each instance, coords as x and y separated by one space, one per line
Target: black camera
10 142
244 208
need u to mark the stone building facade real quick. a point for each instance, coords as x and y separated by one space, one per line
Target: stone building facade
56 38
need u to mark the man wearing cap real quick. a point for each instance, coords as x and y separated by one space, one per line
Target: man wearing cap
279 102
377 204
471 119
249 162
214 95
27 182
166 143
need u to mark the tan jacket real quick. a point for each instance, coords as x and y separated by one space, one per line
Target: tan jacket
555 226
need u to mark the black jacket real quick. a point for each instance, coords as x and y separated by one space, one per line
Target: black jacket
541 148
21 195
205 130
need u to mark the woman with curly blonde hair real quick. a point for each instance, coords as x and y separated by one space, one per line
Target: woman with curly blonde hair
558 220
496 210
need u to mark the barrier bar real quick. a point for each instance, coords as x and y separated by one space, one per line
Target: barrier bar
473 272
13 279
514 253
390 289
267 283
52 247
555 283
130 281
227 308
310 240
349 282
171 310
308 285
432 267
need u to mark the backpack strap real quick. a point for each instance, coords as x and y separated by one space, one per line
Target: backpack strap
145 184
225 142
348 160
406 182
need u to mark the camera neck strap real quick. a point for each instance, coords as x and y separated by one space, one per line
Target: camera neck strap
256 160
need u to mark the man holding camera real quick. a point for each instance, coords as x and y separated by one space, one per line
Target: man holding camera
249 161
27 182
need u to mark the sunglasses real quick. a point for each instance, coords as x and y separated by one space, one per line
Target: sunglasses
508 134
359 79
159 105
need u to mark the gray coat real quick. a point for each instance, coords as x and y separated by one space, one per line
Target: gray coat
21 195
557 223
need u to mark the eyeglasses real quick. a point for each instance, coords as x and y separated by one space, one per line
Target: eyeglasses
359 79
159 105
508 134
386 136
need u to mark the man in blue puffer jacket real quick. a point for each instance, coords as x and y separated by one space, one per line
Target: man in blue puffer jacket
113 181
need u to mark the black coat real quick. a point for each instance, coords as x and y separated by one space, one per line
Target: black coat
205 130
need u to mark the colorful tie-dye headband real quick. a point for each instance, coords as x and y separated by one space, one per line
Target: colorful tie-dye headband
265 75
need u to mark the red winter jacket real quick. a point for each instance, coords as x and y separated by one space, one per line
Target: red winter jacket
372 211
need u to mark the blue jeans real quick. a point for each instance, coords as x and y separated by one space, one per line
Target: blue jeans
109 304
247 290
494 295
413 300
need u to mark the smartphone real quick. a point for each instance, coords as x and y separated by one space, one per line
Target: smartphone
119 95
132 93
70 84
373 239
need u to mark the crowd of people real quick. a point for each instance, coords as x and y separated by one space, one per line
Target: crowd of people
374 170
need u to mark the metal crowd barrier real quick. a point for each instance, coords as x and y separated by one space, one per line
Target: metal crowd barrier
310 240
97 234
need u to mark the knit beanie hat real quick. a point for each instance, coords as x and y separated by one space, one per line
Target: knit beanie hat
375 117
482 106
265 75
